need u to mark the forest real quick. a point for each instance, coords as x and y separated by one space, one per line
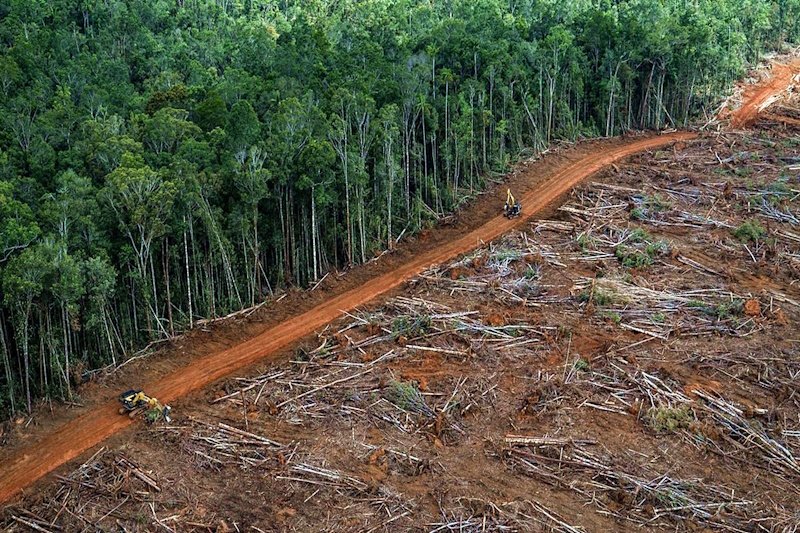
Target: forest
167 161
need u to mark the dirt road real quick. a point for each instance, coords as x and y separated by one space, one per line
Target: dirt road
86 431
758 97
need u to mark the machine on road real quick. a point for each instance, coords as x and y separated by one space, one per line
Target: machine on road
135 402
512 209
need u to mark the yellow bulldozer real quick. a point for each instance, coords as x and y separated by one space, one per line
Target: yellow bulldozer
512 209
135 402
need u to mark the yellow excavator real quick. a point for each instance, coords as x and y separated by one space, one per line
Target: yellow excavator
512 209
135 402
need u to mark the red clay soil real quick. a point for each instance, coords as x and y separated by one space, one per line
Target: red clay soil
86 431
758 97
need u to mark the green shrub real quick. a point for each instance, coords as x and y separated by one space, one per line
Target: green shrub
505 254
668 419
406 396
750 231
598 297
657 248
728 309
582 365
411 327
632 258
585 242
719 311
639 235
657 202
532 272
639 213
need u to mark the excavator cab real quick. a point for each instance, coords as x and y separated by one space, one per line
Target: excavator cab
135 402
512 209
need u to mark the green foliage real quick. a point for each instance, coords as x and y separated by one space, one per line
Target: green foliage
657 203
243 126
648 206
750 231
18 227
632 257
639 213
411 327
641 251
211 113
728 309
585 242
597 297
406 396
656 248
532 272
582 365
639 235
667 419
721 311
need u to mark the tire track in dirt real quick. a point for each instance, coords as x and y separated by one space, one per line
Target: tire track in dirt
759 97
78 435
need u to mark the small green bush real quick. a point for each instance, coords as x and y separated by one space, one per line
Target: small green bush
632 258
719 311
657 203
657 248
728 309
613 317
411 327
406 396
599 297
639 235
639 213
506 254
532 272
750 231
585 242
582 365
668 419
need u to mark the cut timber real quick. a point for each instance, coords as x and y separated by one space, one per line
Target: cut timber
524 440
88 430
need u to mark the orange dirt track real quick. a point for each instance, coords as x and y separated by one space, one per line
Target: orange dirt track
759 97
88 430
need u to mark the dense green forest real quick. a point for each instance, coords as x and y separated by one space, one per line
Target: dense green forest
163 161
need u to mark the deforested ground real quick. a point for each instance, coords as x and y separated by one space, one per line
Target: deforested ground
629 363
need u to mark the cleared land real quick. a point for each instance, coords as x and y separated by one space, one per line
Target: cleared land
626 362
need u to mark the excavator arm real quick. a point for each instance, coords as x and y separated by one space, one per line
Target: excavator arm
512 209
136 401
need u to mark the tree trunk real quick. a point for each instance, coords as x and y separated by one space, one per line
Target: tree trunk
314 232
167 284
7 365
65 327
188 277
